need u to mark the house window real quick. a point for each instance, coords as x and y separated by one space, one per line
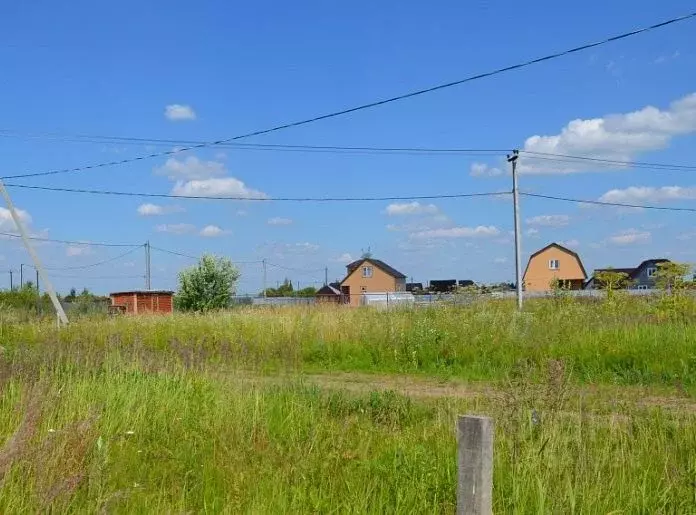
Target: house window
554 264
642 287
652 272
367 271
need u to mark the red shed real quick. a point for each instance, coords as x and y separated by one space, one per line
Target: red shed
144 301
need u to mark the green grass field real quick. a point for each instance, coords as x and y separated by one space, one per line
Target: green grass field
351 410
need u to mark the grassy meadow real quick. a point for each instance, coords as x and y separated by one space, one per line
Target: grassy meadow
234 413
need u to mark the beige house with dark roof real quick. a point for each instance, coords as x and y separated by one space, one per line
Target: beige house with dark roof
554 263
371 276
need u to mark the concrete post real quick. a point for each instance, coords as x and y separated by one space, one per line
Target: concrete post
475 465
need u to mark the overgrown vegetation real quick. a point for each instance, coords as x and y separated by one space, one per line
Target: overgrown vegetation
208 285
180 414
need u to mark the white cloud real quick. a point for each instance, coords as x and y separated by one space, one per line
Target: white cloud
344 258
277 220
228 187
646 194
615 136
411 208
157 210
630 236
190 168
532 232
179 112
212 231
483 170
549 220
458 232
241 212
569 243
7 222
176 228
78 250
500 261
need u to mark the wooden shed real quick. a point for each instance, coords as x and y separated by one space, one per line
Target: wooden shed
143 301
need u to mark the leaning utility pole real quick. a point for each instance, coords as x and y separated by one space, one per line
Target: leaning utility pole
148 275
62 318
264 276
518 235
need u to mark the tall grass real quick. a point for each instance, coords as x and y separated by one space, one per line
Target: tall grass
141 415
631 343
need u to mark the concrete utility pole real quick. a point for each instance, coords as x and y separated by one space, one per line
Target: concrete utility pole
21 275
326 275
37 283
264 277
518 233
11 283
62 317
148 275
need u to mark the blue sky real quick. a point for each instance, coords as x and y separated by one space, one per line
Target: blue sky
81 68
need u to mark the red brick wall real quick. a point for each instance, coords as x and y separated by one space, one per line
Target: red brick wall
146 302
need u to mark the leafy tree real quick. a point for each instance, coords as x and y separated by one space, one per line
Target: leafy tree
209 285
611 280
672 276
310 291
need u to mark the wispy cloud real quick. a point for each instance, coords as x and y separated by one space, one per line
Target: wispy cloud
549 220
344 258
179 112
646 194
630 237
157 210
228 187
484 170
457 232
190 168
176 228
277 220
411 208
212 231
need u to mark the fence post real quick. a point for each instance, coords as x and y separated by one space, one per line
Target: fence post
475 465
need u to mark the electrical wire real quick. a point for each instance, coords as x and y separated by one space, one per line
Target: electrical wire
181 254
69 242
257 199
602 203
544 156
105 277
92 265
371 105
298 270
263 146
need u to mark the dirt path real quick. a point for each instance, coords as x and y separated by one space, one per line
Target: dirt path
428 388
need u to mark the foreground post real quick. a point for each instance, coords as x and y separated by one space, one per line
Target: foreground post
475 465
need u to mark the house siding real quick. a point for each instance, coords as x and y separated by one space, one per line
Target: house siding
641 278
538 276
379 282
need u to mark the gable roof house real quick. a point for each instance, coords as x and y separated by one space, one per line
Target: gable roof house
641 277
331 294
554 263
369 275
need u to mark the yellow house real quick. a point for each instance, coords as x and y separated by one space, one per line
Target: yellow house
554 262
369 275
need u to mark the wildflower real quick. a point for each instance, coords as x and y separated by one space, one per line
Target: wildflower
51 430
130 432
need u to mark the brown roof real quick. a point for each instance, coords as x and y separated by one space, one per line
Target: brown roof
560 247
143 292
352 267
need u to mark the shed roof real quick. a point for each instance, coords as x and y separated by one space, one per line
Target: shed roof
142 292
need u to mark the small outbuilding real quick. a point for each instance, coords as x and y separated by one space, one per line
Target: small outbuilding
143 301
331 294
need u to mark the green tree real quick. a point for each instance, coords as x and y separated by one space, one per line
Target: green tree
209 285
672 276
611 281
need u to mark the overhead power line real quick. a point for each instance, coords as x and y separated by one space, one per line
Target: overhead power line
258 199
264 146
603 203
189 256
567 158
70 242
371 105
92 265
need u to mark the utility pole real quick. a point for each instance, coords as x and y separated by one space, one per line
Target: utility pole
148 276
62 317
326 275
37 283
11 284
518 233
21 275
264 277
